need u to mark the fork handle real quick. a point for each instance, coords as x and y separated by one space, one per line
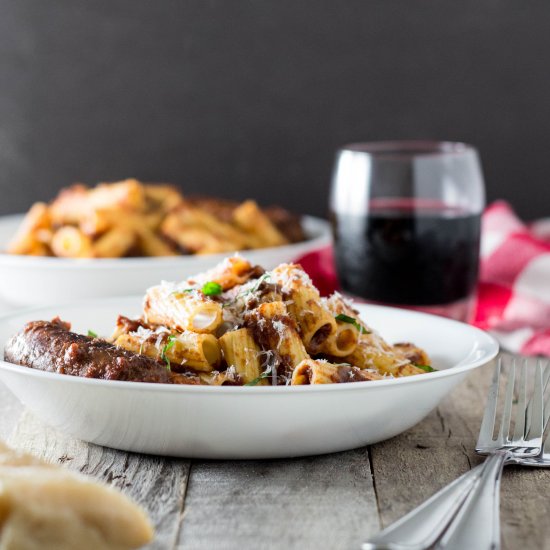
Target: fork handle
421 527
477 525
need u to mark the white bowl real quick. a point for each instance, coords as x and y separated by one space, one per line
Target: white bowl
245 422
32 280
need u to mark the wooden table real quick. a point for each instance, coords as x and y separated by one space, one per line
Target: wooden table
332 501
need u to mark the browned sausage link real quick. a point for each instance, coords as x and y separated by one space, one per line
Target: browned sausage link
50 346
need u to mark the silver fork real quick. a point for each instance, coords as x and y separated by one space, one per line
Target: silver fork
466 507
481 510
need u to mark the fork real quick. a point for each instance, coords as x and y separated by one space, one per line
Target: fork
482 507
471 503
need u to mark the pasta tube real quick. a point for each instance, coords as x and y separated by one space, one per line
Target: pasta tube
151 245
78 203
26 239
233 271
311 371
273 329
71 205
225 378
187 216
408 370
181 311
128 194
100 220
338 305
185 378
37 249
166 197
195 239
252 220
199 351
414 354
304 305
342 342
372 352
116 242
70 242
241 352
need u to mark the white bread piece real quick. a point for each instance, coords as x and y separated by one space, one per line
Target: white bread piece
45 507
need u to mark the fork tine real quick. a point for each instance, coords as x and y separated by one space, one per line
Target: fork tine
519 428
504 432
488 423
547 410
546 375
546 442
545 381
537 416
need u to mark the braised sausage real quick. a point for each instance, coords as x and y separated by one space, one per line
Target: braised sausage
51 346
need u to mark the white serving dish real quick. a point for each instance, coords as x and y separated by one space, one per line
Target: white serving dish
31 280
244 422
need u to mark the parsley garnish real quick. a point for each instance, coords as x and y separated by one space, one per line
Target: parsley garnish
169 345
352 321
263 278
245 293
426 368
269 369
259 379
91 334
211 288
183 291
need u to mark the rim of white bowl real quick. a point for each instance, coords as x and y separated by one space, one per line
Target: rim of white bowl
491 348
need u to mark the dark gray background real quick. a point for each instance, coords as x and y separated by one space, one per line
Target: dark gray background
251 98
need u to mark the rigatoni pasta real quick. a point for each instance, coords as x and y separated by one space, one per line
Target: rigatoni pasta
257 225
312 371
130 218
342 341
238 324
201 352
181 309
241 352
316 323
276 333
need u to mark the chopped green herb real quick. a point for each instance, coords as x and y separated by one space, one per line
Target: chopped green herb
258 379
92 334
211 288
245 293
168 346
182 291
352 321
263 278
426 368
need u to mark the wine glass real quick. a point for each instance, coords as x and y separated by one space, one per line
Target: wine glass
406 219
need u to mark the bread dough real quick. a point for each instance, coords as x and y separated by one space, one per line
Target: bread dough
45 507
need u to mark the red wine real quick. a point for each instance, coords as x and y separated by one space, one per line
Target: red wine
406 253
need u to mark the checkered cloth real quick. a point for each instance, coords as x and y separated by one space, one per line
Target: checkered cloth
514 290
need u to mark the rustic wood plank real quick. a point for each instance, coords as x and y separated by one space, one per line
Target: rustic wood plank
411 467
322 502
157 483
10 411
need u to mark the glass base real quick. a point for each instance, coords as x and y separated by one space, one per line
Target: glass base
461 310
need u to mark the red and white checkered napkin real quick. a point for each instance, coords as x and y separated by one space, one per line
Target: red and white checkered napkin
514 289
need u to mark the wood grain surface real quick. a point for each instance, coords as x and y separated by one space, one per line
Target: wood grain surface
333 501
